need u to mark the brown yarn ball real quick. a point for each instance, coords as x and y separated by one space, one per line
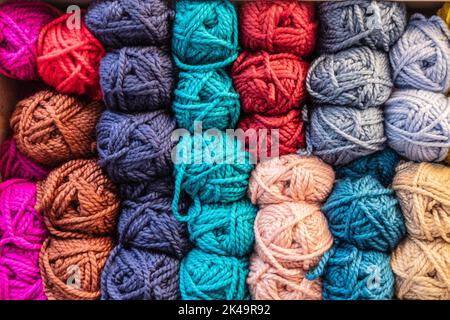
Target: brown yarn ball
78 200
52 128
422 269
423 191
71 268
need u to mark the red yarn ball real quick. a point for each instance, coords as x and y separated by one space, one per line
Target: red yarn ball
272 84
69 57
281 26
291 133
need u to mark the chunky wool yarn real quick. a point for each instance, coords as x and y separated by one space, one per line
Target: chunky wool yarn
290 178
444 12
267 283
137 79
422 270
352 274
278 26
340 135
418 125
205 34
156 188
52 128
364 213
271 84
357 77
68 57
376 24
133 274
14 164
207 276
71 268
206 96
127 23
20 24
78 200
421 57
423 193
135 148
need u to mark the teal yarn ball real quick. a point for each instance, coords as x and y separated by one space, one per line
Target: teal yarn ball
223 229
205 34
364 213
206 96
207 276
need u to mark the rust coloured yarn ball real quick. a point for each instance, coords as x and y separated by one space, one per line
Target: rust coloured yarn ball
278 26
52 128
71 268
68 56
272 84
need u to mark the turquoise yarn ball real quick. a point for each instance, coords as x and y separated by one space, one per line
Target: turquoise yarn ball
351 274
208 97
364 213
205 34
224 229
207 276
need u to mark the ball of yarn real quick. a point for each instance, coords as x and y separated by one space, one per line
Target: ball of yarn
290 178
208 97
444 12
421 57
150 225
357 77
278 26
14 164
376 24
20 25
205 34
422 270
267 283
364 213
352 274
223 229
380 165
133 274
52 128
291 235
160 187
137 79
78 200
207 276
68 58
127 23
271 84
71 268
418 125
135 148
270 136
340 135
423 193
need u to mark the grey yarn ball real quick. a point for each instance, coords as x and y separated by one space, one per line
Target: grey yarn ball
339 135
345 24
418 125
358 77
421 57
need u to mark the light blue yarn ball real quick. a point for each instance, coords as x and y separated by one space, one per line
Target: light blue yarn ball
366 214
205 34
340 135
421 57
208 97
418 125
358 77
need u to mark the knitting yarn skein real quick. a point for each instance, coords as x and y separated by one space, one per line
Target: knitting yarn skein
20 25
418 125
444 12
357 77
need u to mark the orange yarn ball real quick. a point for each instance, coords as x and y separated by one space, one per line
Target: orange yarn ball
69 56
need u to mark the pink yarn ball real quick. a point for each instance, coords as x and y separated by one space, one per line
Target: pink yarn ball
14 164
20 25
